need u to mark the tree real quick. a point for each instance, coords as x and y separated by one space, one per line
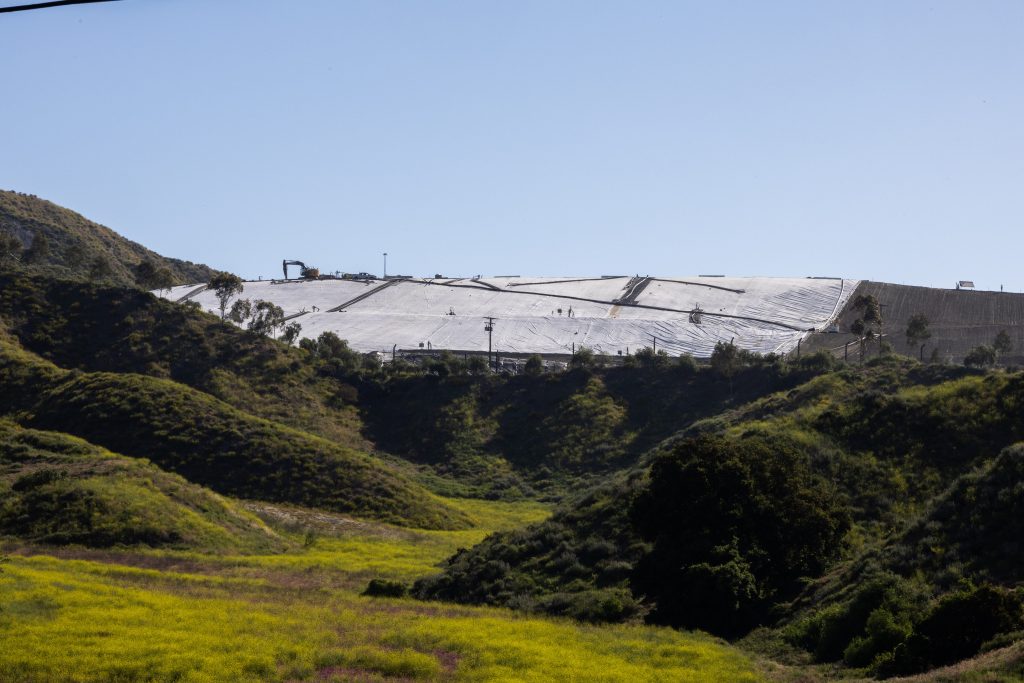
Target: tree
648 358
150 275
100 268
291 333
74 255
534 365
870 317
980 357
687 364
10 247
583 358
735 523
267 318
725 359
477 365
1002 343
39 250
240 311
917 332
225 286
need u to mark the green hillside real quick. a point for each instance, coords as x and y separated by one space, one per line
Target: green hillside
69 245
106 328
879 480
209 442
56 489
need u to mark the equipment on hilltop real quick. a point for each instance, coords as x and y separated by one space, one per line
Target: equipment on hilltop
305 272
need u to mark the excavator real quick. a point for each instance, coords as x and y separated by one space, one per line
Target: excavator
305 272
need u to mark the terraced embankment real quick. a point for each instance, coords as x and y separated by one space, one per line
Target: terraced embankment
958 320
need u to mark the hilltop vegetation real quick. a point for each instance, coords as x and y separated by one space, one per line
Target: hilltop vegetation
58 490
103 328
882 480
551 433
40 237
209 442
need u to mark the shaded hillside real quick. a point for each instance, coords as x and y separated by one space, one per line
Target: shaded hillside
889 446
118 329
959 320
75 246
550 432
209 442
56 489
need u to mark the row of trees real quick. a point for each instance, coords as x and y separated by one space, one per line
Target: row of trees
259 316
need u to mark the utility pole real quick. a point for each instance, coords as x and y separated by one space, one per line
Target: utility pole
655 340
385 265
489 328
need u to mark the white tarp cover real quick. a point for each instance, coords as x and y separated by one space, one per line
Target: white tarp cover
552 315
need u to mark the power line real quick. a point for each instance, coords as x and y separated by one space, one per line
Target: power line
44 5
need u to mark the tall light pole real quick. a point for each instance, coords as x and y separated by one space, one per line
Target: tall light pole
489 328
385 265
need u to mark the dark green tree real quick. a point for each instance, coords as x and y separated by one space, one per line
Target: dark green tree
267 318
583 358
39 250
150 275
225 286
735 523
725 359
10 247
918 332
869 325
983 356
74 255
534 365
648 358
100 268
241 310
1002 343
291 333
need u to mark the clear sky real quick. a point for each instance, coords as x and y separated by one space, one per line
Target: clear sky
872 139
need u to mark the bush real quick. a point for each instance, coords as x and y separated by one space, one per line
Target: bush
957 626
980 357
735 523
386 588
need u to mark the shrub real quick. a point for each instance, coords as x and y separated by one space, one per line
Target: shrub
957 626
386 588
735 523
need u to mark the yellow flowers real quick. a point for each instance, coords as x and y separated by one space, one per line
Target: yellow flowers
282 618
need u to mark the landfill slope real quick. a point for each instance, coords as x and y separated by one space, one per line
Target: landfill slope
552 316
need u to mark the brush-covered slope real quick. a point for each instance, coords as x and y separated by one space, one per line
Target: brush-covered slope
733 511
209 442
58 489
940 591
106 328
553 432
75 246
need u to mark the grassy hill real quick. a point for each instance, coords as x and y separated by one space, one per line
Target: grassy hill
209 442
75 246
733 510
56 489
105 328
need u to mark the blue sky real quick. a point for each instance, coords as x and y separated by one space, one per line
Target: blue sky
878 140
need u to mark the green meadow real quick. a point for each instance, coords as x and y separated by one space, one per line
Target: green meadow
297 615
